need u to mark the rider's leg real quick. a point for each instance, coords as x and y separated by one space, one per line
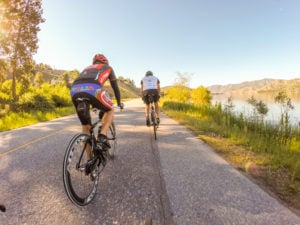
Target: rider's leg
84 116
147 112
107 121
86 129
105 104
157 112
157 109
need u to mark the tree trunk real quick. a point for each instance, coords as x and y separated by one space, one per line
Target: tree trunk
13 85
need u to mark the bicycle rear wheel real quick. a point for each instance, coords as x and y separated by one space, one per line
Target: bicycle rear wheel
153 118
79 184
155 130
111 136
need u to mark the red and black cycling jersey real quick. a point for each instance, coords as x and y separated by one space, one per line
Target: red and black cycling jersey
97 73
92 79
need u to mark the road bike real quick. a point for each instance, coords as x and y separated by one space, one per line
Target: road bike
153 117
82 168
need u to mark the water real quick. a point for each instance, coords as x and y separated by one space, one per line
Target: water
274 113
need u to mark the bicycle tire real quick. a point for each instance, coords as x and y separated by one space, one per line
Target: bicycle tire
153 118
79 186
155 131
111 136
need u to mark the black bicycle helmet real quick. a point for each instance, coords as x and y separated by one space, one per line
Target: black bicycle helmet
149 73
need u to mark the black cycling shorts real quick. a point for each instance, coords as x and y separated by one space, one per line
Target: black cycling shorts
83 108
153 92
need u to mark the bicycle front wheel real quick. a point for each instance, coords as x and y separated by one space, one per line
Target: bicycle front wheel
79 183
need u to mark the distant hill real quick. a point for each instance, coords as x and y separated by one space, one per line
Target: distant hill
127 89
258 87
49 74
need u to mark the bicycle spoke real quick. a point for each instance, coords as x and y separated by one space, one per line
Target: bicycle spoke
111 135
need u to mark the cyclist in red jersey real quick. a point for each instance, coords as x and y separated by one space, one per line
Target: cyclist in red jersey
89 85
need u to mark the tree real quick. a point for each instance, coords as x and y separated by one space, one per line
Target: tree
259 107
66 79
73 75
182 79
38 79
179 93
285 105
19 23
201 96
3 69
180 90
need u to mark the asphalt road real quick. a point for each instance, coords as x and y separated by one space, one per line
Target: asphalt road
177 179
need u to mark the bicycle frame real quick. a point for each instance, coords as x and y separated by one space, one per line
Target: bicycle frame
97 155
153 114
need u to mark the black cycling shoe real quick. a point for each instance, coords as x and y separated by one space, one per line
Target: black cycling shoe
94 173
148 122
102 139
89 167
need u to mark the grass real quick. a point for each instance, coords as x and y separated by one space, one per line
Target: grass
15 120
268 153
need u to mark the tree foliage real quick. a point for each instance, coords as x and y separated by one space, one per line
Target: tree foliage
179 91
3 69
284 101
45 98
182 79
19 23
38 79
285 106
201 96
259 107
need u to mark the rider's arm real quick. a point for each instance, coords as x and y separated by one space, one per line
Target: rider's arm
158 86
142 88
115 87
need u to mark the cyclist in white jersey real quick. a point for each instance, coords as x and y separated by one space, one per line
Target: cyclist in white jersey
150 85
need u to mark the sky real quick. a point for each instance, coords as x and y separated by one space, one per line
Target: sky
209 41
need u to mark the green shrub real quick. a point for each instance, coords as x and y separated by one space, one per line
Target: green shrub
34 101
60 101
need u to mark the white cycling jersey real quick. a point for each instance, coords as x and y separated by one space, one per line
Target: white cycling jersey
150 82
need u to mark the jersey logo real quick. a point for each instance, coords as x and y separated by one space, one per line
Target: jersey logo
102 77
